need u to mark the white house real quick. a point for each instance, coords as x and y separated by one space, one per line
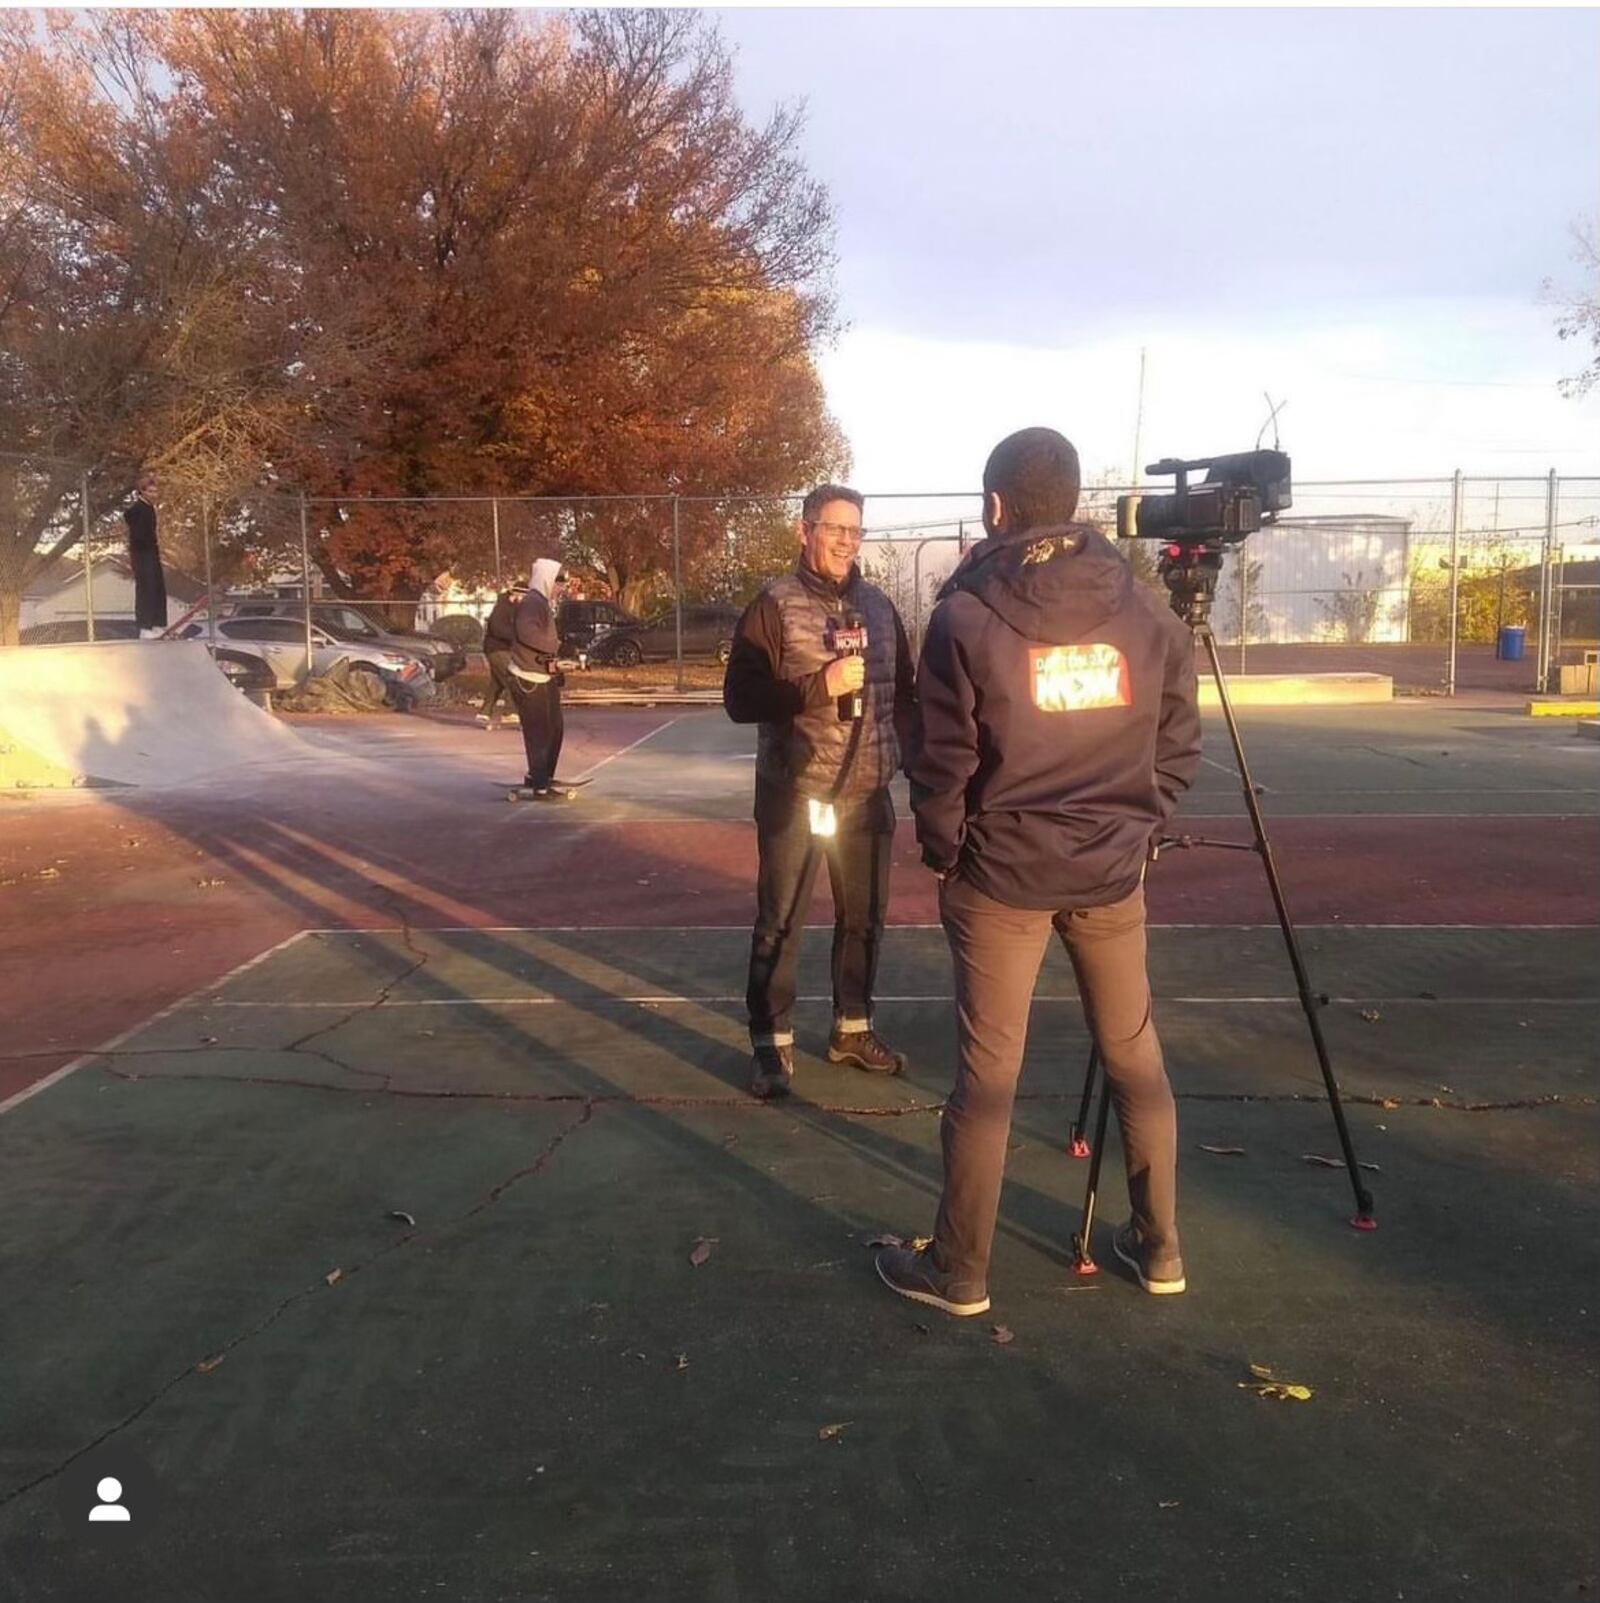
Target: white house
57 594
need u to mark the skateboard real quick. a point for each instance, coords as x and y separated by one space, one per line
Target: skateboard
560 790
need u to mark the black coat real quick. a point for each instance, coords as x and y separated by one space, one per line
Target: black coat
144 556
1059 722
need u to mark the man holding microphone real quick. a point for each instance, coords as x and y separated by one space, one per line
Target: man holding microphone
821 663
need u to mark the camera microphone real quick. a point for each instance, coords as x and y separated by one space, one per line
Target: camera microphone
850 640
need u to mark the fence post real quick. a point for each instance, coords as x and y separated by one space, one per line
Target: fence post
88 558
1546 586
1455 575
305 577
1244 604
677 587
494 507
211 589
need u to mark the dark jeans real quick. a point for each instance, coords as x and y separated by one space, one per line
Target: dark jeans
539 713
997 951
858 872
499 682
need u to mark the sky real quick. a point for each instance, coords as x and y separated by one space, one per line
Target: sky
1353 211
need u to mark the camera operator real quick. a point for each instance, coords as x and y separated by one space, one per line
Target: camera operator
821 662
1059 726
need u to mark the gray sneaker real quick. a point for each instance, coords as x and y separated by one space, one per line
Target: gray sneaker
864 1050
1160 1273
915 1275
771 1071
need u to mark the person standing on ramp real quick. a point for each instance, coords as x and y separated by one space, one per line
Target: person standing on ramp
821 662
1059 727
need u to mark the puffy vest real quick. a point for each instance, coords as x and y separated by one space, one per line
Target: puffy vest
808 751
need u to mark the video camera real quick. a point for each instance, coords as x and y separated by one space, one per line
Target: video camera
1238 494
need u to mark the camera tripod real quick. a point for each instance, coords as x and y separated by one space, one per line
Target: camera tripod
1190 573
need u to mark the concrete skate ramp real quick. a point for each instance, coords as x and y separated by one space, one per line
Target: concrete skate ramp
126 712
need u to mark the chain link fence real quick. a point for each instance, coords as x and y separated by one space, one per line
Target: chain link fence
1445 584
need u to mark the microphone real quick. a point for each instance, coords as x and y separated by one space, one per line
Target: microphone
850 640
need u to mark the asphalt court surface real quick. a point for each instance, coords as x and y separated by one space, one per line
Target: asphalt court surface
376 1255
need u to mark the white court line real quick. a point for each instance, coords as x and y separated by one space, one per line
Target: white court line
144 1024
654 1000
651 735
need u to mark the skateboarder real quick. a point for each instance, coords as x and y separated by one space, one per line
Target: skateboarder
534 676
499 634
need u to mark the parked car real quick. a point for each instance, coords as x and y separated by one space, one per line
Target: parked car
581 623
280 644
707 637
349 624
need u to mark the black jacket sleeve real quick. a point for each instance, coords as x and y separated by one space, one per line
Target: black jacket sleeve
501 629
1178 733
752 691
945 750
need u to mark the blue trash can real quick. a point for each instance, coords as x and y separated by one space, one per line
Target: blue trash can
1513 641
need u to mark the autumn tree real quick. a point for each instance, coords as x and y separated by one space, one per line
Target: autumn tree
144 323
607 281
372 255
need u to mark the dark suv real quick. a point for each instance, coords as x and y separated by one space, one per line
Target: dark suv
347 623
707 636
581 622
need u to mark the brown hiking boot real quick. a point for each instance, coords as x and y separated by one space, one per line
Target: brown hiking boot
864 1050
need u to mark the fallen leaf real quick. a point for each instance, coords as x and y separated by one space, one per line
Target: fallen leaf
701 1250
683 1362
1265 1384
918 1243
1371 1015
1001 1335
1390 1102
206 1365
1283 1391
48 873
402 1215
208 884
1337 1163
334 1276
831 1433
1223 1152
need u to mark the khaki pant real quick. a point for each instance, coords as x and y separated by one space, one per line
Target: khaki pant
997 951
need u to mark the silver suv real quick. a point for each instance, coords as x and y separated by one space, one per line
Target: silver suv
355 628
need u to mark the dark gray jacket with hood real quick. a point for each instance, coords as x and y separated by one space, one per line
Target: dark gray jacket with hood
1059 721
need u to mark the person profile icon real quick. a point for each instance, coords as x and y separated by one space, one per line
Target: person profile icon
109 1492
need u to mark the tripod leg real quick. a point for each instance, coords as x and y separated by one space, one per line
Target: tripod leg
1082 1263
1077 1142
1309 1004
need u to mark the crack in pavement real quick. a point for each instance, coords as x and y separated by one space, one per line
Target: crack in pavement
734 1100
323 1285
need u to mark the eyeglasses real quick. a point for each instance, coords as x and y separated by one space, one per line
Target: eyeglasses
840 531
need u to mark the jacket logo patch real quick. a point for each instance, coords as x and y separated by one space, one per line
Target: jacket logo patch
1076 678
